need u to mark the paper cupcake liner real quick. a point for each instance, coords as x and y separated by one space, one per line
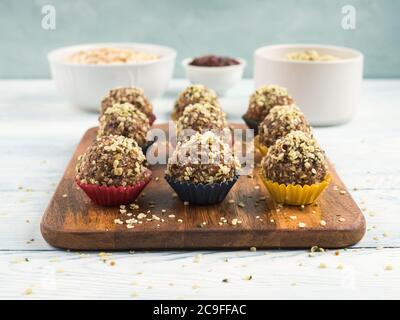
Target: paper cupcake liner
260 147
152 118
111 195
295 195
252 124
201 194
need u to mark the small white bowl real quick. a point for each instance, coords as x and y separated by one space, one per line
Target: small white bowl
85 85
328 92
220 79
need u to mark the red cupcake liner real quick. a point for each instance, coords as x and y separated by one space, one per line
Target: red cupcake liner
113 196
152 118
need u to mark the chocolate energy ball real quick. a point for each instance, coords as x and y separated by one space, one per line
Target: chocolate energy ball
132 95
204 158
112 161
200 117
295 159
264 99
194 94
279 122
124 120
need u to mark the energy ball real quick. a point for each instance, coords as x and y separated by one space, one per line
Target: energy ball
264 99
201 117
279 122
295 159
124 120
132 95
204 158
112 161
194 94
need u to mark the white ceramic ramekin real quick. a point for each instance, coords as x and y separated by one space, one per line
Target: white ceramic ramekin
327 91
85 85
220 79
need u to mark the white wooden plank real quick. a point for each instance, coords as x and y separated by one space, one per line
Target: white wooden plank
180 275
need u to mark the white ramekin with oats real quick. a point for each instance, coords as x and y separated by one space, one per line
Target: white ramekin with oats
325 81
85 73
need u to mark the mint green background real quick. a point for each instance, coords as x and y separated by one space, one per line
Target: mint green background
195 27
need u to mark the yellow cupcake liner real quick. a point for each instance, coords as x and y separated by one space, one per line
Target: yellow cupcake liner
295 195
263 149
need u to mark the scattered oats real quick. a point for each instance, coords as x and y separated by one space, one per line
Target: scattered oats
322 223
174 195
130 226
257 187
163 211
302 225
317 249
336 188
239 221
231 201
118 221
171 216
220 223
234 222
253 249
388 267
342 219
156 178
293 217
342 192
257 217
313 211
122 206
131 252
241 205
204 223
186 203
180 220
248 278
302 207
141 215
64 195
262 199
272 220
322 265
28 291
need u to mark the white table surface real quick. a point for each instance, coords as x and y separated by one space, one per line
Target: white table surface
39 131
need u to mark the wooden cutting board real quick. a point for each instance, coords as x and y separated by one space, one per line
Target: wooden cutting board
71 221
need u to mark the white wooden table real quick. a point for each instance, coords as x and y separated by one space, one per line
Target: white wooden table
38 133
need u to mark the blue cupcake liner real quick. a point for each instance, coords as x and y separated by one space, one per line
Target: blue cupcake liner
201 194
252 124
